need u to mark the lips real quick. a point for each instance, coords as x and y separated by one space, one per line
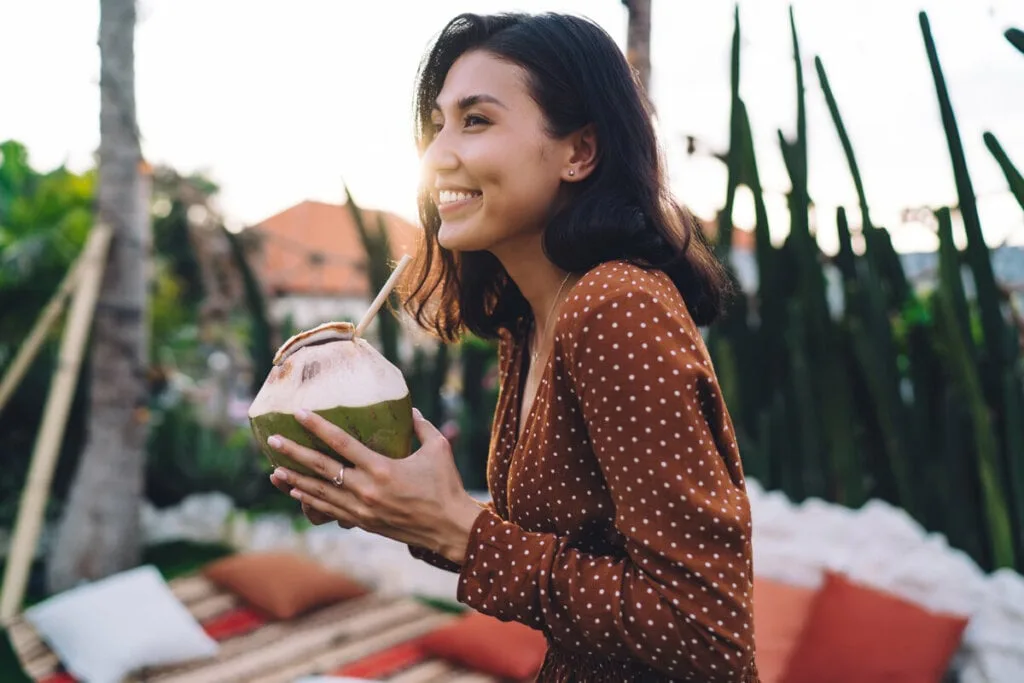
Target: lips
450 202
445 197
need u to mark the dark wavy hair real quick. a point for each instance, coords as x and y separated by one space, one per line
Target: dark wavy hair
622 210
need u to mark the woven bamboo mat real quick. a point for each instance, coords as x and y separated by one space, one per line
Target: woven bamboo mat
372 637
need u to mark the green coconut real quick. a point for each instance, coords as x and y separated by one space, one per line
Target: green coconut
340 376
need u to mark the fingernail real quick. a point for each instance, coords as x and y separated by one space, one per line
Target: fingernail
301 415
281 474
275 441
296 494
417 414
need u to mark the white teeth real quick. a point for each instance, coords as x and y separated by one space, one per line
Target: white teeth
448 197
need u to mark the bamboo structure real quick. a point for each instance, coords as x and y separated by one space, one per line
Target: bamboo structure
29 522
34 342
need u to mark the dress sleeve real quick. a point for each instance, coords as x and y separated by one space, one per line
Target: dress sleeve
680 598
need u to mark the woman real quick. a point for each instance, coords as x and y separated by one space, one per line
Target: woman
620 525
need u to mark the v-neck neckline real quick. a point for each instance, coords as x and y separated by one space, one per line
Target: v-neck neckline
523 422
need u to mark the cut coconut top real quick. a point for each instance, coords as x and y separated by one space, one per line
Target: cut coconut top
321 334
336 373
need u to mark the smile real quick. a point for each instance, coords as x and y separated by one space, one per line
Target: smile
449 201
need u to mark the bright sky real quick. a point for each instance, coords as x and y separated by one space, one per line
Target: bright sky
278 101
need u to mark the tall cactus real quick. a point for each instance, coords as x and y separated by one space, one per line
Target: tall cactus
1013 176
1016 38
723 243
1000 354
846 406
954 342
977 251
878 245
827 388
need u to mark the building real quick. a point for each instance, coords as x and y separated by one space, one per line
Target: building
313 265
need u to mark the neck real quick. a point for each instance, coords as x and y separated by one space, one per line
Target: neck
536 276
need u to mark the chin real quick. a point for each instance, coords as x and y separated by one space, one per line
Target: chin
460 237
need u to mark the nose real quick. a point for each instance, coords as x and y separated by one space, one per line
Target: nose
440 156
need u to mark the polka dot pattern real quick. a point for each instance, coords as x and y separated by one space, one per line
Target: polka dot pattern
620 525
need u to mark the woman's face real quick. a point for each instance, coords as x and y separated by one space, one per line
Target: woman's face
492 169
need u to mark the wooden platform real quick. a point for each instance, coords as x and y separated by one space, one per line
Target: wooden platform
372 637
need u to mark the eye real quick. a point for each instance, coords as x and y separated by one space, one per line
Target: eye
473 120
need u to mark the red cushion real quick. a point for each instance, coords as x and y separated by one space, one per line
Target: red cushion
856 634
235 622
282 584
385 663
780 612
506 649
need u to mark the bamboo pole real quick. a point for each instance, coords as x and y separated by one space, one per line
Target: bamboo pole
51 432
34 342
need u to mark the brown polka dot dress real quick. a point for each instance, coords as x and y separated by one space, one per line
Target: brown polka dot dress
619 524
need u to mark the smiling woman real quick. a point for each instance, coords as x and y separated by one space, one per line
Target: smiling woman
620 525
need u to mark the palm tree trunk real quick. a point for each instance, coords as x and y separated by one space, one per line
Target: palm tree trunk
99 531
638 40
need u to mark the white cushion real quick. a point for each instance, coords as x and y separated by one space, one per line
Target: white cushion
104 630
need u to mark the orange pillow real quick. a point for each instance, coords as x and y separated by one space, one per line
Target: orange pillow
280 583
856 634
780 612
506 649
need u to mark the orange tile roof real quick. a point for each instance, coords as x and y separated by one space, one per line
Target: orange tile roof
314 248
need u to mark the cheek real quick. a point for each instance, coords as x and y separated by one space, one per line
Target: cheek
522 186
530 198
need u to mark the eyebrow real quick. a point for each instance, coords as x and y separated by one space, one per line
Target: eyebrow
472 100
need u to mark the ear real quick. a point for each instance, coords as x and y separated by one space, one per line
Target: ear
582 154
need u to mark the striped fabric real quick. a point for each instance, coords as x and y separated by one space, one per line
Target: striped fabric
373 637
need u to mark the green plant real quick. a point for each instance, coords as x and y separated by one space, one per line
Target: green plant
845 404
379 267
186 456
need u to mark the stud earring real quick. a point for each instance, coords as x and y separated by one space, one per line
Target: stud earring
572 172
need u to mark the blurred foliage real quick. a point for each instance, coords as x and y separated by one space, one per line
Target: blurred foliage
44 220
913 397
187 456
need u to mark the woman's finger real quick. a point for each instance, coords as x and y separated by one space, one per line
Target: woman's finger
279 483
340 441
325 466
321 507
317 487
315 518
425 431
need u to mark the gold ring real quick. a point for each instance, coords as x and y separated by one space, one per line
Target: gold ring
339 479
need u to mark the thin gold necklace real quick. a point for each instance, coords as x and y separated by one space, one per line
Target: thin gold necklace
548 321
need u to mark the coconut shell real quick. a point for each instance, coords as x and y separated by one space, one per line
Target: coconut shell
342 378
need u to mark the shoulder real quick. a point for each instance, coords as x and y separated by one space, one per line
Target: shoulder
619 289
618 317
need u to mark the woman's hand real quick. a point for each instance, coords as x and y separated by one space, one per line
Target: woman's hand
419 500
